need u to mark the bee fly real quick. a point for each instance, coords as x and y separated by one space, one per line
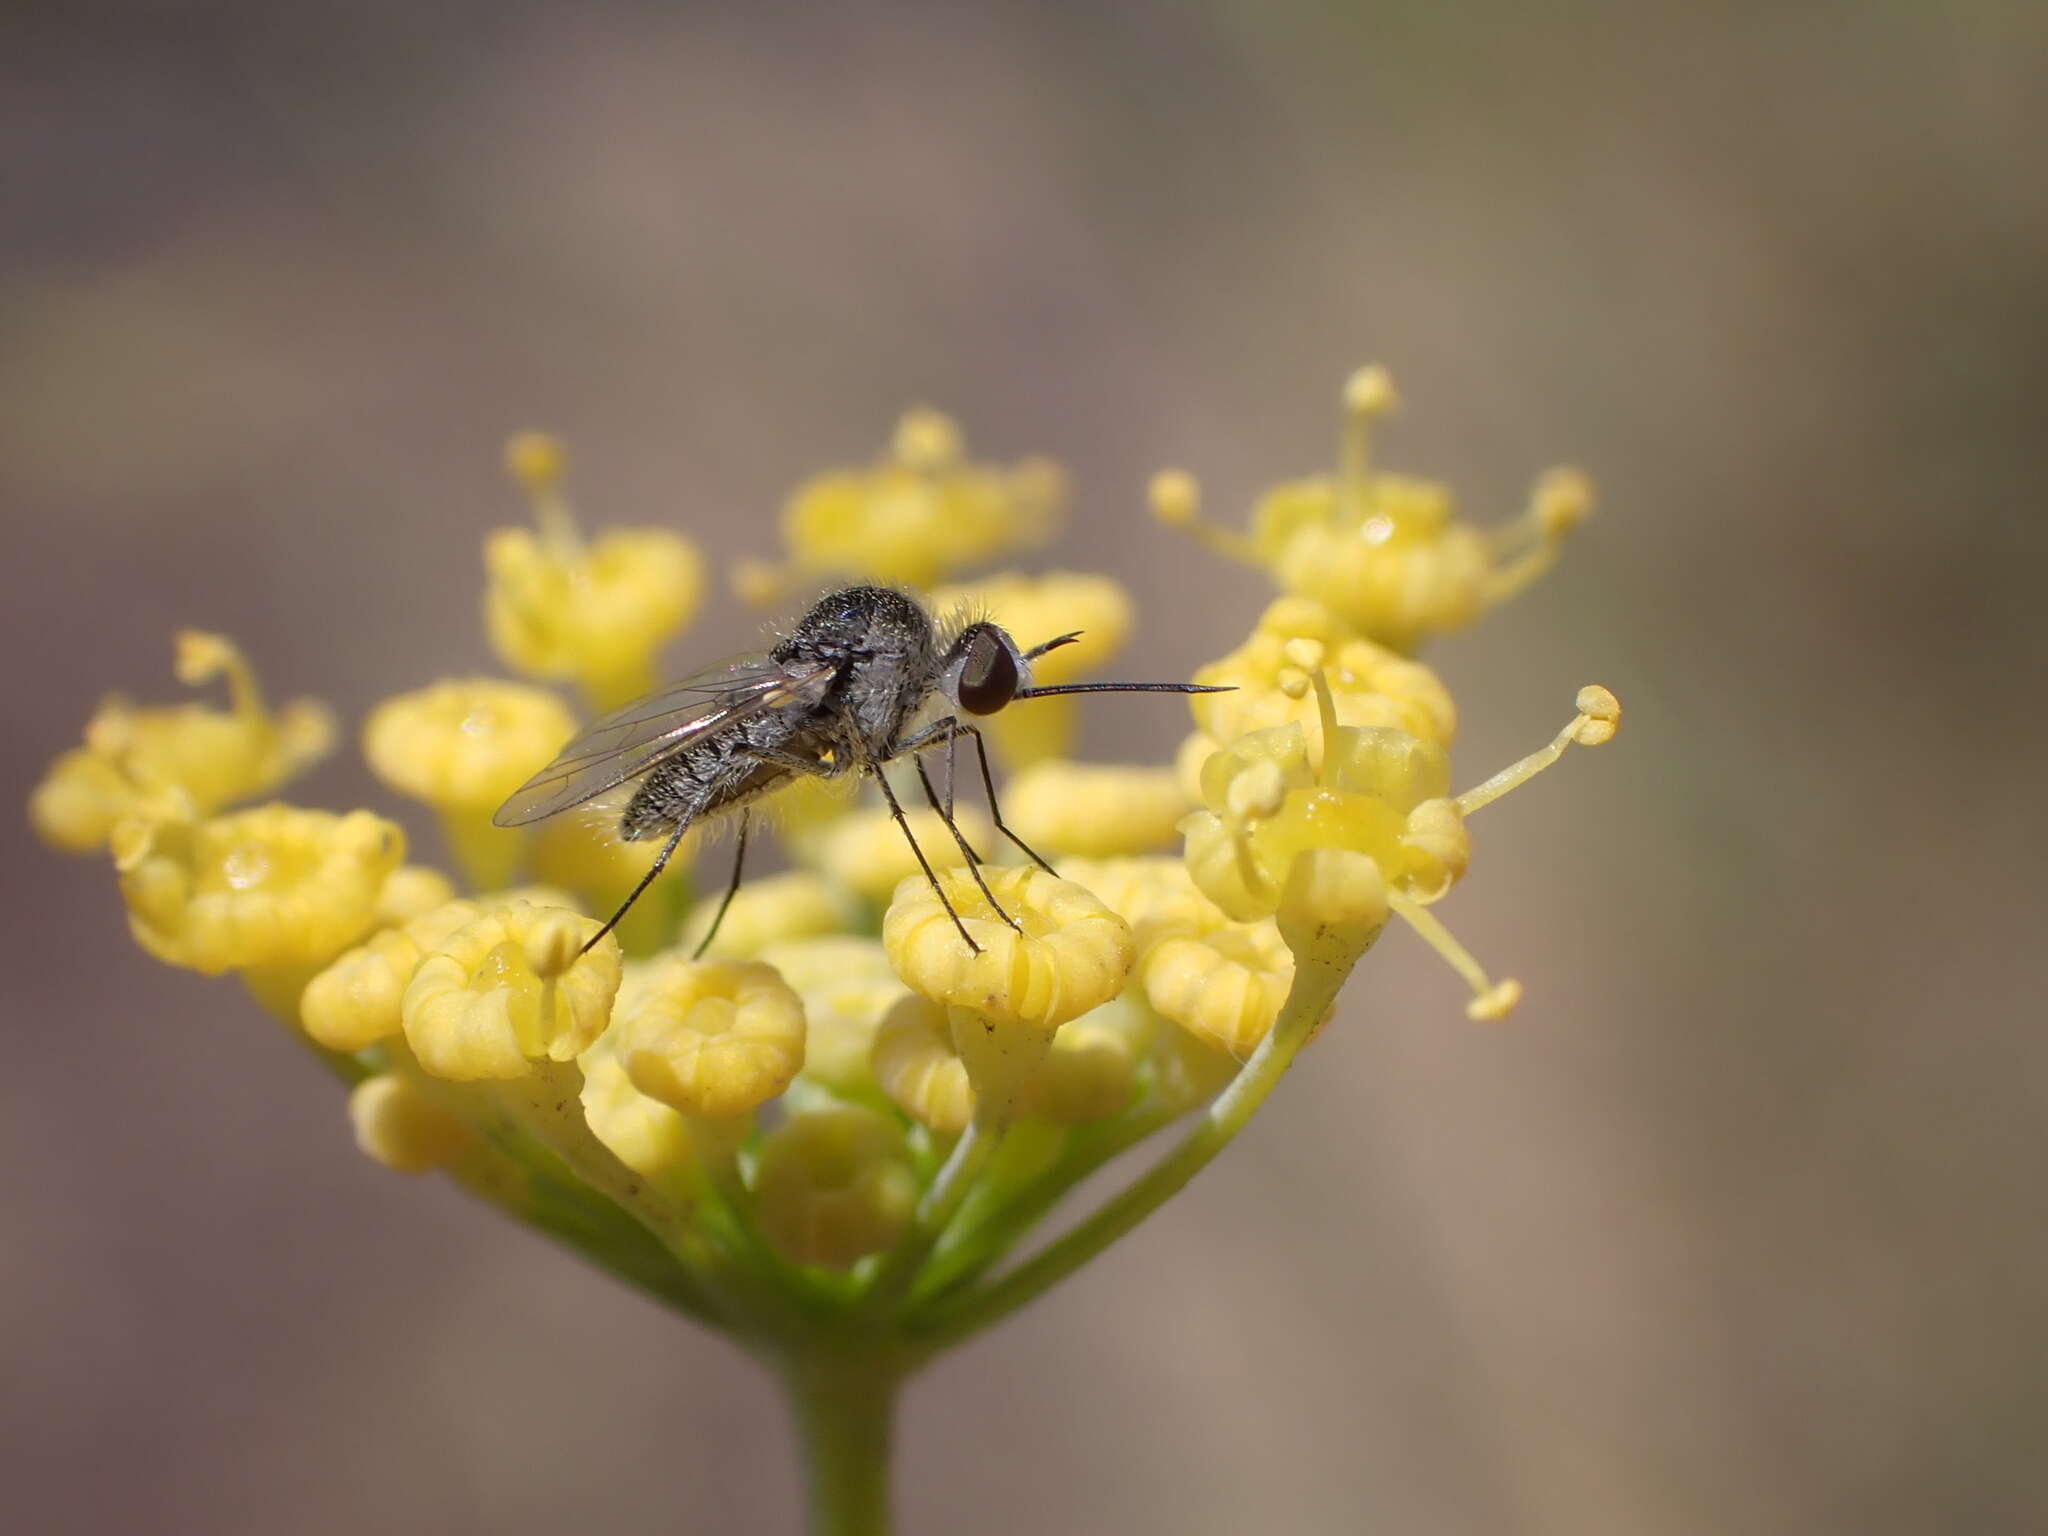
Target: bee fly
846 691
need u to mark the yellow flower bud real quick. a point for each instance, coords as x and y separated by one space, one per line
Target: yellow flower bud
1088 1073
1072 954
834 1185
1096 810
464 744
1156 896
716 1037
507 990
1385 551
914 1062
653 1139
846 986
922 512
358 1000
866 853
410 891
1225 987
768 914
593 613
269 887
399 1124
210 757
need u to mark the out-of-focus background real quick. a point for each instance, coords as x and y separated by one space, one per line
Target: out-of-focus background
1739 1226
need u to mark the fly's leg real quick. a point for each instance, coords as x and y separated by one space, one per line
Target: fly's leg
660 863
732 889
966 848
923 863
995 812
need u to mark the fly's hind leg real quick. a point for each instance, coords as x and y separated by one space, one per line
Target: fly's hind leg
732 889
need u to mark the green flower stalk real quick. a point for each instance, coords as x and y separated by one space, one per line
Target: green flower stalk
830 1137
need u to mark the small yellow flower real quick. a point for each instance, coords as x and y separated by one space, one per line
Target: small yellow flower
768 914
211 757
1370 684
914 1061
592 613
924 1053
846 986
1156 896
920 514
275 886
866 853
653 1139
715 1037
1384 551
509 989
1096 810
1072 954
462 746
359 999
399 1124
1224 986
834 1185
410 891
1035 609
1331 841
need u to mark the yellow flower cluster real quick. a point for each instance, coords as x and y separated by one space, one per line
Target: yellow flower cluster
1385 552
899 1028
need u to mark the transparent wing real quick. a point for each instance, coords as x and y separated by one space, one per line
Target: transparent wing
629 741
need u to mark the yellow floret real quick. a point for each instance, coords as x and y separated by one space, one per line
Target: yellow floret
211 757
846 986
920 514
509 989
466 743
768 913
594 613
270 887
914 1062
358 1000
834 1185
399 1124
714 1037
654 1139
462 746
1095 810
410 891
1072 954
1225 986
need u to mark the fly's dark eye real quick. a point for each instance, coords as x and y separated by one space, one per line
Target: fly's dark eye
988 677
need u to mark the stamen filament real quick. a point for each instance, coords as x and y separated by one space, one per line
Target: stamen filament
1489 1001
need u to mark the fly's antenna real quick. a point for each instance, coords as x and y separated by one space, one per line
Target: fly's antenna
1051 645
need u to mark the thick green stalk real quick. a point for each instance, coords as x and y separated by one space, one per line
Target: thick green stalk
954 1318
844 1402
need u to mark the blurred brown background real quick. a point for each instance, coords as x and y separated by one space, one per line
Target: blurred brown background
1738 1227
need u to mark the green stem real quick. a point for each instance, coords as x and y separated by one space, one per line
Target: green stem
955 1317
972 1248
844 1403
936 1210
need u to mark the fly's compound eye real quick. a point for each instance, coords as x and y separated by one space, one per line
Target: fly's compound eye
988 674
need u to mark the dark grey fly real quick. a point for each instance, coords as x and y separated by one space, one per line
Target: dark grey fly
846 691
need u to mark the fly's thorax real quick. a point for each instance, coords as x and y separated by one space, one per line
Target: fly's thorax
884 647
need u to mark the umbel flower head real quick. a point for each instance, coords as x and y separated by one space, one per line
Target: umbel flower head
824 1112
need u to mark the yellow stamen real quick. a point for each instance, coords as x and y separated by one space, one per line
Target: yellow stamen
1489 1001
1599 717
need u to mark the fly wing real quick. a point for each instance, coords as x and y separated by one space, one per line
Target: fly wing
629 741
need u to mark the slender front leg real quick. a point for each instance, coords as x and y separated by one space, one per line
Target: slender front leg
923 863
988 784
732 889
966 848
